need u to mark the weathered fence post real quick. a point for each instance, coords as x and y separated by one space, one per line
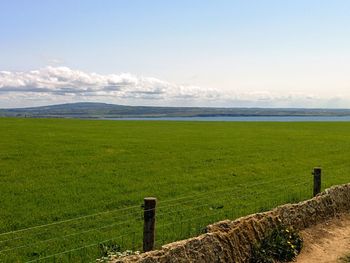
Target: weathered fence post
149 216
317 180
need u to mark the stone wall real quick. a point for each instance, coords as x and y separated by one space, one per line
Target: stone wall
231 241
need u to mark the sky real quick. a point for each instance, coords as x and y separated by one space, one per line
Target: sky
229 53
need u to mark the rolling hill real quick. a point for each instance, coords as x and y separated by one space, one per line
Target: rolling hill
103 110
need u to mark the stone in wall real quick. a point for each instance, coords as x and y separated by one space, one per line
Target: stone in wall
231 241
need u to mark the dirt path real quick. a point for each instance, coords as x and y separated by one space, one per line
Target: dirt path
326 242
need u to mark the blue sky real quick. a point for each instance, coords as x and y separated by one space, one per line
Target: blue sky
236 53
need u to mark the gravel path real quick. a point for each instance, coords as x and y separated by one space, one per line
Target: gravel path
326 242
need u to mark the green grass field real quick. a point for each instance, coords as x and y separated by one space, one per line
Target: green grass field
52 170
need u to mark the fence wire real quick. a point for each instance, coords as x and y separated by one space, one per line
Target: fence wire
85 238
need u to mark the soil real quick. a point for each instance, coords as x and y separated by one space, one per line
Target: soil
326 242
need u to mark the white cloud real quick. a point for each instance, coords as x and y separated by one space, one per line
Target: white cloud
61 84
65 81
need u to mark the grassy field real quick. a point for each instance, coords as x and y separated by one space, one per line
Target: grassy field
52 170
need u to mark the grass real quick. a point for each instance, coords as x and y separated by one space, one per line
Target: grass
281 244
345 259
57 169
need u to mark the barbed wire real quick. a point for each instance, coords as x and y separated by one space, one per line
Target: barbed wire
43 232
224 190
63 237
192 219
138 206
121 223
208 195
224 199
67 220
75 249
122 216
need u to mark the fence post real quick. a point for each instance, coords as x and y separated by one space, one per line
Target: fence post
317 180
149 216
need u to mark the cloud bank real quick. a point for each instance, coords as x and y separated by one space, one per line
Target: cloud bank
61 84
65 81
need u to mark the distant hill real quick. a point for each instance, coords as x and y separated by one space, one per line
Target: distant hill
103 110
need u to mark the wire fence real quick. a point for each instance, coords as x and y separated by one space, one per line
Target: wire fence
86 238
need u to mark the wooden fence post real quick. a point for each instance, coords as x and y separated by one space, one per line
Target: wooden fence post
317 180
149 216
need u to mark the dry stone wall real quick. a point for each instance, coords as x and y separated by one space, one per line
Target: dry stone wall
231 241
